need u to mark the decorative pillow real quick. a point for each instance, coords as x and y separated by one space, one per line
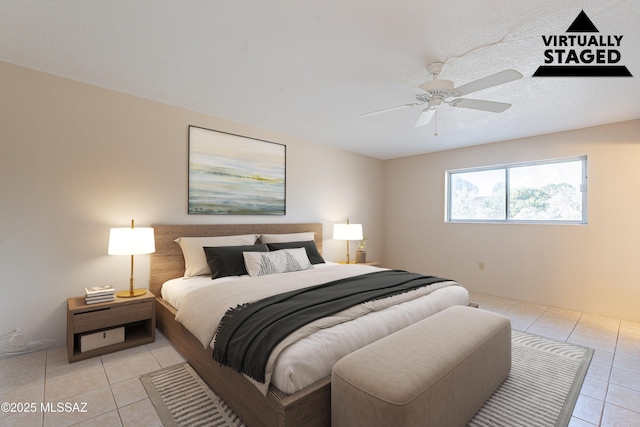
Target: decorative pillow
195 262
282 261
290 237
310 247
228 260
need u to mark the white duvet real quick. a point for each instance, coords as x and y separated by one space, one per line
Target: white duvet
309 354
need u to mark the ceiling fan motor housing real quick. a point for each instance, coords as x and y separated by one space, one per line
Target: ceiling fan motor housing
439 88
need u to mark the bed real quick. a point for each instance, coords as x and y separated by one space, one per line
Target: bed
309 405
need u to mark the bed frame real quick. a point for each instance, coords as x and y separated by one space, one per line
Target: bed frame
308 407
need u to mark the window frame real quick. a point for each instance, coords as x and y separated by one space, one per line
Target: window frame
506 168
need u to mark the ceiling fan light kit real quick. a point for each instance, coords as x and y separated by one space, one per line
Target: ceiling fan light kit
435 92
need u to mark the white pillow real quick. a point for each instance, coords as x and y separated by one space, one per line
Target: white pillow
282 261
195 261
290 237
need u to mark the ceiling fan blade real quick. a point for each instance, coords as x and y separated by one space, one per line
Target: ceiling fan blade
477 104
502 77
386 110
404 85
425 117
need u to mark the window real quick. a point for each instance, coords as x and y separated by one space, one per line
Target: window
552 191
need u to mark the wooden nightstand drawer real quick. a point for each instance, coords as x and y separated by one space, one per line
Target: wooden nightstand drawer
112 316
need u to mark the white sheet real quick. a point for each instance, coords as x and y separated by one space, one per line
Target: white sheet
174 290
311 359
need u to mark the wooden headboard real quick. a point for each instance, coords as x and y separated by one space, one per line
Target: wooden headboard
167 261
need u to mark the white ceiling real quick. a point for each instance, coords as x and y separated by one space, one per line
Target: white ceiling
308 69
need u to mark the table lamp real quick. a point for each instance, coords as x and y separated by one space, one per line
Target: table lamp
131 241
347 232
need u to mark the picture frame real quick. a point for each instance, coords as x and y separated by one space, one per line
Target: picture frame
235 175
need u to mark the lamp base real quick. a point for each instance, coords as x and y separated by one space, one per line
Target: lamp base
131 293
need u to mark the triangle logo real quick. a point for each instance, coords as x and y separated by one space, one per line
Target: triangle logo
584 54
582 24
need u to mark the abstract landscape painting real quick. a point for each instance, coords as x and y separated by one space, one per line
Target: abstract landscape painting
235 175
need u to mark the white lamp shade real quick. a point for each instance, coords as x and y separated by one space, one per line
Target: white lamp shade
131 241
347 231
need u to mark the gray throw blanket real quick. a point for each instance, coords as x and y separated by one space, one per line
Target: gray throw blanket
248 333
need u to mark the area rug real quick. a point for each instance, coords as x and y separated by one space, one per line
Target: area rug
542 387
181 398
540 391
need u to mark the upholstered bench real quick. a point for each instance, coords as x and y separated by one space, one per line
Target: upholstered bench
437 372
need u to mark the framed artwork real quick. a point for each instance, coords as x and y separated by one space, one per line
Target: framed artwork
235 175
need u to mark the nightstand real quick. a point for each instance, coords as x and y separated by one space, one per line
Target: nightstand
136 315
372 263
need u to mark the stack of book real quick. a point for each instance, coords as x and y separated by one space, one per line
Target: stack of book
99 294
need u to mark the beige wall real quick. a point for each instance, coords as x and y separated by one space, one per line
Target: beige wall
76 160
593 268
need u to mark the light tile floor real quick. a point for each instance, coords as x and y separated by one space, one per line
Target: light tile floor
109 385
114 396
610 394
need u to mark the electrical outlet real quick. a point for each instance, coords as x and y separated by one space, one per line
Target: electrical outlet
481 265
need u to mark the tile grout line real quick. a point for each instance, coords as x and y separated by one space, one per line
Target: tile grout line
111 390
44 386
613 360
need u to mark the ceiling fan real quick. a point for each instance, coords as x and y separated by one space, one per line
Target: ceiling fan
435 92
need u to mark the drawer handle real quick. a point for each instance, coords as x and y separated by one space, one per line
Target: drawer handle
97 310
